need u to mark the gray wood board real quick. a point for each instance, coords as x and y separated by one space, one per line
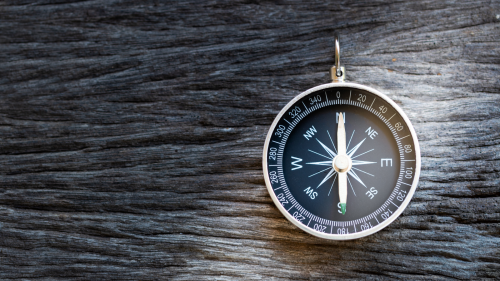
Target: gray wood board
132 134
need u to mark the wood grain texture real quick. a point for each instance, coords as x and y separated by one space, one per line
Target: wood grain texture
132 132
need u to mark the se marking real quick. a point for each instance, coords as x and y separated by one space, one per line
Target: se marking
372 192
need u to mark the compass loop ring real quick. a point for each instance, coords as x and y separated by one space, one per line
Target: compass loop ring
337 57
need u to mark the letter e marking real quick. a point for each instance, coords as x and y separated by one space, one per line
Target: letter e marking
387 161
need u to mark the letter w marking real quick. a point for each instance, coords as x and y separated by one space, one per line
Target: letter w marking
295 163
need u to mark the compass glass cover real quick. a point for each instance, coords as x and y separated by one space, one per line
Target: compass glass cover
303 144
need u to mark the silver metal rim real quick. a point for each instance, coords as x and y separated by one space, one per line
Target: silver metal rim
362 233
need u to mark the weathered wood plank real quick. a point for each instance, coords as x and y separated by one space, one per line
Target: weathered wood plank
132 132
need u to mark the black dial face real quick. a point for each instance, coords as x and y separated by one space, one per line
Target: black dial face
303 147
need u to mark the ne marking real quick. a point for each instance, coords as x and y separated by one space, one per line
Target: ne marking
391 117
407 160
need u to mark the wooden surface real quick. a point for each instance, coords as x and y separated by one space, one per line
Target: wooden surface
132 132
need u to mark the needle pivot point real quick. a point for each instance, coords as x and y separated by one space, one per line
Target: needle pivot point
342 163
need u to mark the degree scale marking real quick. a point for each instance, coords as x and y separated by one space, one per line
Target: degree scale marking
321 105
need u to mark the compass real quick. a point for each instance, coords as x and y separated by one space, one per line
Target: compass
341 160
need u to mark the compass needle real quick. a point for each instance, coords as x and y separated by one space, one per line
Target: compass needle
341 163
341 143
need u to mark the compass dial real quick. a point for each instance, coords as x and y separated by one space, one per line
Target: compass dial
305 157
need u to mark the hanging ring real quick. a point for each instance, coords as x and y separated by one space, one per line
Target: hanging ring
337 72
337 56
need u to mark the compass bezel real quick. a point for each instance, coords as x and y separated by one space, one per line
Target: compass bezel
379 226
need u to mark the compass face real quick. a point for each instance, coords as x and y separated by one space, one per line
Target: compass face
301 147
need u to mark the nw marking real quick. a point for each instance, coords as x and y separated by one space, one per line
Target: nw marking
310 133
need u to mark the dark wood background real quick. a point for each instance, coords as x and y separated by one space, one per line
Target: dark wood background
132 132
